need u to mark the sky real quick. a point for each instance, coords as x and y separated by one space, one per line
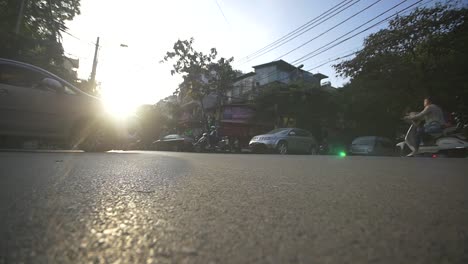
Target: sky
133 75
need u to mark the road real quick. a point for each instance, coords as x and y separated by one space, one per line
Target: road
162 207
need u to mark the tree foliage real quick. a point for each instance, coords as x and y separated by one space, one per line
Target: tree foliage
311 106
159 119
423 53
39 38
202 74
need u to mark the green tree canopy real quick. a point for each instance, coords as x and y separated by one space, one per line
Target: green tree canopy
202 73
423 53
39 38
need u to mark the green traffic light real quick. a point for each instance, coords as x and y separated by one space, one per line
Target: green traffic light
342 154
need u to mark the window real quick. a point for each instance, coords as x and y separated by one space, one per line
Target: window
302 133
171 137
366 141
278 130
386 143
19 76
68 90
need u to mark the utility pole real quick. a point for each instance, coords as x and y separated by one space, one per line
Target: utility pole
95 61
20 17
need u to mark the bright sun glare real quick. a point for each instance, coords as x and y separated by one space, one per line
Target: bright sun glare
119 103
117 107
121 93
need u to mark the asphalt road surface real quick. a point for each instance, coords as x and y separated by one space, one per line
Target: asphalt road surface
162 207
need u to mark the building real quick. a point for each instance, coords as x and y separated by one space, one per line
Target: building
236 113
240 109
71 66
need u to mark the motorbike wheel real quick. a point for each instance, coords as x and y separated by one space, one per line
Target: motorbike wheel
455 153
197 148
405 151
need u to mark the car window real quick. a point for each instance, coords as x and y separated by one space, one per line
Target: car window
68 90
296 131
19 76
364 141
171 137
386 143
278 130
302 133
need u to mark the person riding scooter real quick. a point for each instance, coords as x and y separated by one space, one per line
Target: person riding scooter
433 122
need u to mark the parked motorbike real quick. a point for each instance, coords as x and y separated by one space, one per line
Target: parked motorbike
450 141
323 148
203 145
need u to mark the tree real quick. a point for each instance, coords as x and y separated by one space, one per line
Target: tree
202 74
39 38
158 119
423 53
310 106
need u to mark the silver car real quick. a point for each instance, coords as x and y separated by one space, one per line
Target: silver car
37 103
284 141
372 146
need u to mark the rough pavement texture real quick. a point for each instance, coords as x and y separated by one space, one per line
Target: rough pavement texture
160 207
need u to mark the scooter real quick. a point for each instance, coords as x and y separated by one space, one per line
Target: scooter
450 142
202 145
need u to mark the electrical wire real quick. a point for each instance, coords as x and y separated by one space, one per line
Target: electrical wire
311 54
297 30
298 35
330 29
295 63
342 57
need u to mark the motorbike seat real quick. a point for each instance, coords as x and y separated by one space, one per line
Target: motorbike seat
444 132
449 130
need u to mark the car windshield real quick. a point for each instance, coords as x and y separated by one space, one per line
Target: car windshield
278 130
364 141
172 136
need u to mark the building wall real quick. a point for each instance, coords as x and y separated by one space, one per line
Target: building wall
284 77
266 75
309 77
241 88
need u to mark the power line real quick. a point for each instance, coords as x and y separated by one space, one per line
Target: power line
330 29
311 54
356 52
297 29
340 54
405 9
331 60
310 27
77 38
221 10
292 32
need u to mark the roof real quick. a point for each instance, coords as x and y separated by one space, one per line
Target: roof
279 63
288 67
320 76
243 76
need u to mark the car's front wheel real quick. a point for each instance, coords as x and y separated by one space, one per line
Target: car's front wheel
283 148
313 150
92 137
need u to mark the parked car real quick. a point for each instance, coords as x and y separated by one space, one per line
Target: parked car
35 103
174 142
285 141
372 145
